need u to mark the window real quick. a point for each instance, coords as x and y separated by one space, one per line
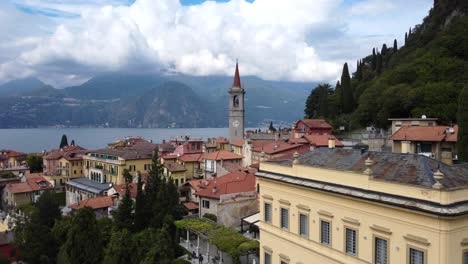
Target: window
267 258
176 182
325 232
284 218
465 257
206 204
416 256
303 225
74 171
284 262
380 251
351 242
267 212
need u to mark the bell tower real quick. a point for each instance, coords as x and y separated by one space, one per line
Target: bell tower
236 108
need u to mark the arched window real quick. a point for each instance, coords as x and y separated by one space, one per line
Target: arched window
235 101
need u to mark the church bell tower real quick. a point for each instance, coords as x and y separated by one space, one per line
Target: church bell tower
236 108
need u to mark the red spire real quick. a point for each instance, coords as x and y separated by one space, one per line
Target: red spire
237 82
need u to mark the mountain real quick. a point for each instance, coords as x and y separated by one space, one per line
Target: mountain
20 86
154 100
424 76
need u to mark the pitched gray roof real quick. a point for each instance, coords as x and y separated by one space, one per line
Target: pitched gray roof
86 184
410 169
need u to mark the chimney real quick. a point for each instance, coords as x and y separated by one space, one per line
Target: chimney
277 136
331 143
164 141
214 189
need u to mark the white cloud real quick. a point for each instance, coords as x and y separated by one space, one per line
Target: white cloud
274 39
372 7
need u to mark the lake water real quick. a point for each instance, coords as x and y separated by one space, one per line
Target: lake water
38 139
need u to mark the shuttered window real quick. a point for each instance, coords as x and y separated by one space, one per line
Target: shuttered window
380 253
303 225
267 213
351 240
416 256
284 218
325 232
267 258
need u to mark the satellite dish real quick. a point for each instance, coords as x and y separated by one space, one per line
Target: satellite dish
423 116
451 130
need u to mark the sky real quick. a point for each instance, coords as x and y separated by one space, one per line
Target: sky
66 42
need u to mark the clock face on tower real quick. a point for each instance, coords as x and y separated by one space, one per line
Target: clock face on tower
235 123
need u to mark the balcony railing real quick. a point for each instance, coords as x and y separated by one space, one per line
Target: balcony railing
116 162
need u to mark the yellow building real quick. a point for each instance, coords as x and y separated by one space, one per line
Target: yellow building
175 171
69 166
344 206
107 165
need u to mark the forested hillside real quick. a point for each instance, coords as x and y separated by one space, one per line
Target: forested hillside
423 76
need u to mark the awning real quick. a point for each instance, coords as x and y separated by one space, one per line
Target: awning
252 219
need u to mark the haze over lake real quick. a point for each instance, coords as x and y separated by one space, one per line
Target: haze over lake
38 139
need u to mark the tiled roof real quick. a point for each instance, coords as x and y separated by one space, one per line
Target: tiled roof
238 143
191 205
316 123
11 153
231 183
174 167
322 140
95 203
268 136
222 140
221 155
233 167
273 147
300 140
190 157
127 153
33 183
121 188
63 152
411 169
425 133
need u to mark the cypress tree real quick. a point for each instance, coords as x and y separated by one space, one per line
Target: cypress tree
379 64
323 101
374 61
63 141
272 128
395 45
347 92
48 209
140 217
462 142
406 38
384 49
123 217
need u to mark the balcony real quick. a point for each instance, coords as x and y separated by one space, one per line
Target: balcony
109 161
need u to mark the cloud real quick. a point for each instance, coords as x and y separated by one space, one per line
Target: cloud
298 40
372 7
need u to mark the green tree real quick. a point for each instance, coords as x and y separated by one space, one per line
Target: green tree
83 244
395 45
48 209
120 248
271 127
63 141
72 143
379 66
123 216
374 60
139 216
347 92
462 142
34 163
384 49
311 105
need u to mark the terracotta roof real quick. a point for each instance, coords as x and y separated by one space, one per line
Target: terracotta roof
170 156
238 143
174 167
191 205
120 189
190 157
273 147
67 150
34 182
231 183
222 140
210 145
222 155
316 123
12 153
322 140
300 140
237 81
233 167
411 169
95 203
127 153
425 133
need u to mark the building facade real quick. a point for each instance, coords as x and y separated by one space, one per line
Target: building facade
344 206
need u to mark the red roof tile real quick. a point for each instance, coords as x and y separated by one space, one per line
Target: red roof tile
64 152
322 140
233 167
95 203
316 123
120 189
21 187
424 133
222 140
231 183
272 146
174 167
12 153
300 140
34 182
190 157
238 143
191 205
221 155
